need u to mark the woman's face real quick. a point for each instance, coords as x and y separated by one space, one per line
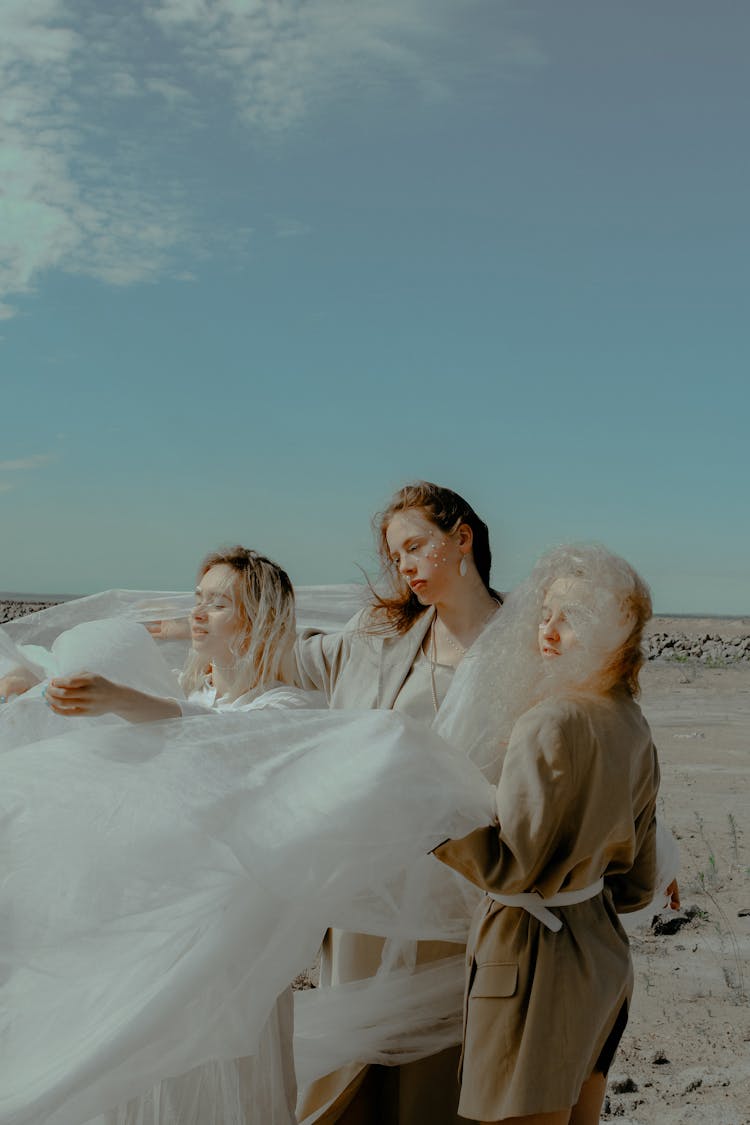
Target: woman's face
214 619
426 557
556 634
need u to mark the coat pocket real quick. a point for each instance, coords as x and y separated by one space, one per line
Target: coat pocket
494 979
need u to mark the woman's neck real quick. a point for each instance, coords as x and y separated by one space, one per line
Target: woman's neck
230 682
465 615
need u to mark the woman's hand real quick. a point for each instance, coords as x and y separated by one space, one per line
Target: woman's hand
88 694
84 694
16 683
175 629
673 893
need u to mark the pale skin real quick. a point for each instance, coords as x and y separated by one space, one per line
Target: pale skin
175 629
428 559
17 682
214 626
586 1111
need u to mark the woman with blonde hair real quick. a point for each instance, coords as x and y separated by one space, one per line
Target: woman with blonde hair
242 629
550 976
170 877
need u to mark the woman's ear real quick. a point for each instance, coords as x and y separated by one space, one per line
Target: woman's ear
465 538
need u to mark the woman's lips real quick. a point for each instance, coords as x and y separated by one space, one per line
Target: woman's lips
418 583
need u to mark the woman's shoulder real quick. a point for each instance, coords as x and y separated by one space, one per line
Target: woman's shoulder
371 626
594 716
564 711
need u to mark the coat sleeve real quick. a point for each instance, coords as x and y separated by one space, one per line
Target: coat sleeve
635 888
320 657
536 803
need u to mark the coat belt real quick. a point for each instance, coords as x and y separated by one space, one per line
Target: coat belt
539 906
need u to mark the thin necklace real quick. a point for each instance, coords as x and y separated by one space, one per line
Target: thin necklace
433 662
454 644
459 648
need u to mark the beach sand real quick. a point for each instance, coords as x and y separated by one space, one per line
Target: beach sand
685 1057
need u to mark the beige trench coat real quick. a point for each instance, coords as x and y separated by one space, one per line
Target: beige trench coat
357 670
576 801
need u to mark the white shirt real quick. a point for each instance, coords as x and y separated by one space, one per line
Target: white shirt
203 700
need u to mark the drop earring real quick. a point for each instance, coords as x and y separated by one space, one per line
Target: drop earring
463 566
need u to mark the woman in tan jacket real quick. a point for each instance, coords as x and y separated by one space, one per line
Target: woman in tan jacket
549 968
402 654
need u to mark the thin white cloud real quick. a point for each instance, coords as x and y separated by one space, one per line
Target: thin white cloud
72 195
171 92
35 461
91 94
290 228
285 60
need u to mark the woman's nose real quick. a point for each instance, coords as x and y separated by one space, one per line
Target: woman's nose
550 631
198 613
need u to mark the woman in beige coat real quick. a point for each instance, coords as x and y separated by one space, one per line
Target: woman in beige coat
549 969
401 654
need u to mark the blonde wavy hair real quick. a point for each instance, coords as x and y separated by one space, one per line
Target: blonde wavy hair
266 626
611 620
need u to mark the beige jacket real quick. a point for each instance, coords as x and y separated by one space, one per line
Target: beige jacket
356 670
359 670
576 801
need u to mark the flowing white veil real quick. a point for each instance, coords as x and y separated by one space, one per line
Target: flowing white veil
167 880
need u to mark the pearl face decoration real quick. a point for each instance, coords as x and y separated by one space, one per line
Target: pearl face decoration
425 557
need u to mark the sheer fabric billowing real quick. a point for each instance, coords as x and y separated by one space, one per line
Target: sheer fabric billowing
168 880
261 1088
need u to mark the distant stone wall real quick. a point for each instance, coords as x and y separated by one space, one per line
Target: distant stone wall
9 611
707 648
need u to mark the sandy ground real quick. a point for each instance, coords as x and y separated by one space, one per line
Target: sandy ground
685 1056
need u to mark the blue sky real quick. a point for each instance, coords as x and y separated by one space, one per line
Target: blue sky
261 263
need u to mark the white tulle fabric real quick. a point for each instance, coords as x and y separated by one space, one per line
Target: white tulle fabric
168 880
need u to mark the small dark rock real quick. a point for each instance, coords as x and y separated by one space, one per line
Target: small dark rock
623 1085
669 925
694 1085
659 1059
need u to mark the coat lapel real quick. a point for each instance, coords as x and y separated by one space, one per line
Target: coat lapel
397 655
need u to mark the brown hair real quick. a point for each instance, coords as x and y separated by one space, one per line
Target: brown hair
264 599
624 666
447 510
